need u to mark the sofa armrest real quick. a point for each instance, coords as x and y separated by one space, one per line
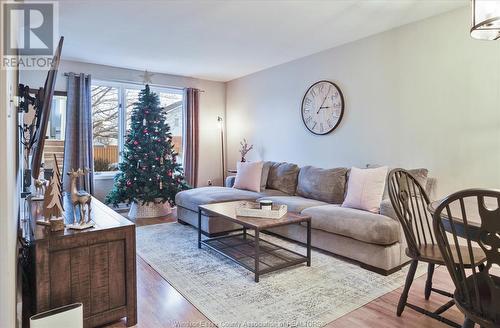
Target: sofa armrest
430 188
387 209
230 181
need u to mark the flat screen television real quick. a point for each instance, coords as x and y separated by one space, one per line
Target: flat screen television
43 113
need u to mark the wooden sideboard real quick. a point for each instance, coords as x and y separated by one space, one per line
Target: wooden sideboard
96 266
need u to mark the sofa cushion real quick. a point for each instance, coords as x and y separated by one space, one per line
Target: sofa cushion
326 185
294 203
283 177
265 174
365 189
421 175
272 192
192 198
386 209
360 225
248 176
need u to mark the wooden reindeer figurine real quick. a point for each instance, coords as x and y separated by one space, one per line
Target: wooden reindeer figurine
40 185
80 198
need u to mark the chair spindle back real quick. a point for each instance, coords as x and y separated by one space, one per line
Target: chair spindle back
477 288
410 202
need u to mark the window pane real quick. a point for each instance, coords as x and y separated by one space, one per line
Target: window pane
54 145
57 121
131 97
105 106
172 104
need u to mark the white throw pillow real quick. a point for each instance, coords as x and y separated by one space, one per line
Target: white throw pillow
365 188
248 176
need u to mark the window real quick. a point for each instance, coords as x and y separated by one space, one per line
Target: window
131 96
105 127
54 145
172 104
57 122
112 105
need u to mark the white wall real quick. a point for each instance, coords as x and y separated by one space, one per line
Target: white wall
422 95
212 104
9 203
9 193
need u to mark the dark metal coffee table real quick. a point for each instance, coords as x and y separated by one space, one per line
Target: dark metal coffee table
252 252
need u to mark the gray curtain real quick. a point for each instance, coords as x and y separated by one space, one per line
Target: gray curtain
78 143
191 131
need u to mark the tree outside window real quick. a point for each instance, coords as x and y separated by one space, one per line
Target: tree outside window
108 115
105 127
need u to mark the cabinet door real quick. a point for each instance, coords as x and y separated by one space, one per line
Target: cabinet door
117 277
60 278
80 277
94 275
107 276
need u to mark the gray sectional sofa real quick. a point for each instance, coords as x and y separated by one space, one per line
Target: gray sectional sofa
376 241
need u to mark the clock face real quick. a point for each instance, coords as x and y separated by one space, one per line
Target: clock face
322 107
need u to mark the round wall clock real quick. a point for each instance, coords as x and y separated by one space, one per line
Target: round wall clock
322 107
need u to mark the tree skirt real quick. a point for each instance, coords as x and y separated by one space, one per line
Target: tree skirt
226 292
151 210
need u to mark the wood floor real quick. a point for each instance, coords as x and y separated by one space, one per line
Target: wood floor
160 305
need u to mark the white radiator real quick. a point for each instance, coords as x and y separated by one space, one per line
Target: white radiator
68 316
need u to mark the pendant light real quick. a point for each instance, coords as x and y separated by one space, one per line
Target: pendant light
485 19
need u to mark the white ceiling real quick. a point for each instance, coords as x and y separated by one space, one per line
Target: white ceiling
224 40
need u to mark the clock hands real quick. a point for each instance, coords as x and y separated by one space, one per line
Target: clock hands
321 106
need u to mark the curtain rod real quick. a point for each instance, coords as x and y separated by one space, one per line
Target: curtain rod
137 83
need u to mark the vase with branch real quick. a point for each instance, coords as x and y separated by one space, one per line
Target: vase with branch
245 148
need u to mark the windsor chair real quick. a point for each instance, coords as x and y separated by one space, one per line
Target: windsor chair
410 203
477 292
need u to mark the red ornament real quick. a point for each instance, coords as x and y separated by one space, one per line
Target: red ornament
129 183
136 142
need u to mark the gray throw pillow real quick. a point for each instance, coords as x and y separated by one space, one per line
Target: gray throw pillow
265 173
327 185
283 177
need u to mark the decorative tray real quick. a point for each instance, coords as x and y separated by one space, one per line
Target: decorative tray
252 209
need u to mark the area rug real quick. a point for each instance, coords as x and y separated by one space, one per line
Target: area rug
227 295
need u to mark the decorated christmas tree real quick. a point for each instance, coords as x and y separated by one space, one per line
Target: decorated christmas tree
149 171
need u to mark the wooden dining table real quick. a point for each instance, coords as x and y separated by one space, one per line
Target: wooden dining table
472 213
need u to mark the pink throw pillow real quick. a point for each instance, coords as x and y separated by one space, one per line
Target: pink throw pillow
365 189
248 176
